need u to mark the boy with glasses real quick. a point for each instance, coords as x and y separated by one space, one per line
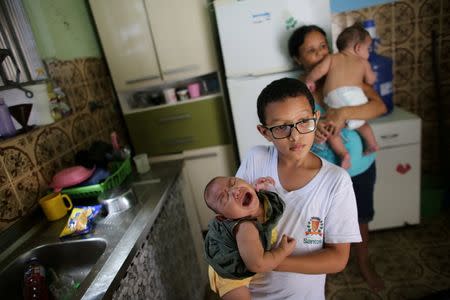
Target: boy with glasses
320 212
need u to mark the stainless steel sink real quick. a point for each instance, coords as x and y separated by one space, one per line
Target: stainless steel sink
97 260
74 259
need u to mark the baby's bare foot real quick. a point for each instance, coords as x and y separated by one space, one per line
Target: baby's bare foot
345 161
371 149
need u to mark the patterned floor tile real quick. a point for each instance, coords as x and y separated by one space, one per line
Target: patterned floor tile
413 291
437 258
418 266
354 294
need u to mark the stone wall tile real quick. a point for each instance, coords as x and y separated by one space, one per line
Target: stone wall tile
16 161
4 179
427 25
406 99
404 12
52 142
83 127
404 33
428 105
429 8
383 15
28 190
404 56
11 208
404 75
29 161
386 35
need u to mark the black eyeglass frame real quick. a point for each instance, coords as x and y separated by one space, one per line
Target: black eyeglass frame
294 125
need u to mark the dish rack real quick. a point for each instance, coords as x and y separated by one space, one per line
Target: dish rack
120 170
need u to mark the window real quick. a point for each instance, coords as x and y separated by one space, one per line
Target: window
19 59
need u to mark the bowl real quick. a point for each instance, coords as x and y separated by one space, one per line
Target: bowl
118 199
70 177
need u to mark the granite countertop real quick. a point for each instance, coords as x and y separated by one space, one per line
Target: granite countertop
124 232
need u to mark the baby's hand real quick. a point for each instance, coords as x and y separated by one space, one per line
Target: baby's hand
264 183
335 118
323 132
311 85
287 244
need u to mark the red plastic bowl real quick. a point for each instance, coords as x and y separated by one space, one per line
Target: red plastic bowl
70 177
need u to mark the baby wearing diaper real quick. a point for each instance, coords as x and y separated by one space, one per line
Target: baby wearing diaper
345 73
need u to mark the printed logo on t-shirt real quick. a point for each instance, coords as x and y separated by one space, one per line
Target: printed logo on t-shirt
314 231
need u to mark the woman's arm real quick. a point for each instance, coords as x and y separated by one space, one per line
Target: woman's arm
331 259
373 108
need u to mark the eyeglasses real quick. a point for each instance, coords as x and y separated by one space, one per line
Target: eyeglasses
284 131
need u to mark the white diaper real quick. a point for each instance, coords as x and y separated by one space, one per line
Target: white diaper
347 96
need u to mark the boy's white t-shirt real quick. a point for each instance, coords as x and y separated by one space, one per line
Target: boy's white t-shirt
324 210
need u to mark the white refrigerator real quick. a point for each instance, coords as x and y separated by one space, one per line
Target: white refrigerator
253 36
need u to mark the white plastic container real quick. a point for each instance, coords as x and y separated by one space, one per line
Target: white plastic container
142 163
170 95
40 113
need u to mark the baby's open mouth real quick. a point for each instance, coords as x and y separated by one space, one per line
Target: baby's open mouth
247 199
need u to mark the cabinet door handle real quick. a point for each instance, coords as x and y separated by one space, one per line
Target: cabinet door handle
179 141
142 79
175 118
179 70
389 136
199 156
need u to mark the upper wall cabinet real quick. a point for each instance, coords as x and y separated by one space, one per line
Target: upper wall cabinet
147 42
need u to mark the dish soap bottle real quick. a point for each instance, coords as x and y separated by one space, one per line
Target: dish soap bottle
7 128
34 282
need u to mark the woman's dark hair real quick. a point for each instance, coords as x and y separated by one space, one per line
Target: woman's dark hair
297 38
279 90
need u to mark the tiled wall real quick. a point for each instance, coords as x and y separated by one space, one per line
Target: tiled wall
28 161
405 28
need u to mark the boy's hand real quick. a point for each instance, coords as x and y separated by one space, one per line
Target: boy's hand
264 183
287 244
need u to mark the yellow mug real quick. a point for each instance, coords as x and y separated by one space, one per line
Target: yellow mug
54 206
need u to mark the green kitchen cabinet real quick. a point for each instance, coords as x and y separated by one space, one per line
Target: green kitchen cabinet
175 128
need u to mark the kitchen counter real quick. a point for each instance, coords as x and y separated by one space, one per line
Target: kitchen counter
125 233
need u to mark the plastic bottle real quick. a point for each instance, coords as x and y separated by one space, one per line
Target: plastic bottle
7 128
34 282
382 66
